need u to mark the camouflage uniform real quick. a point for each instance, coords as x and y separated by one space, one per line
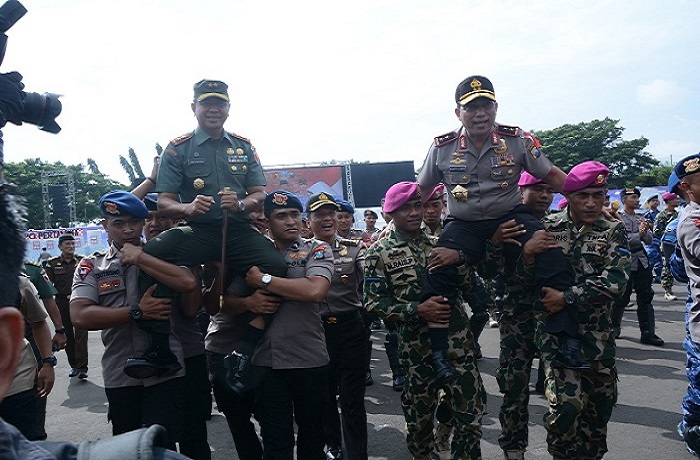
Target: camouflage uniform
580 404
660 223
394 272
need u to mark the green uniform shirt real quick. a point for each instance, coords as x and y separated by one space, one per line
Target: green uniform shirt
37 275
196 164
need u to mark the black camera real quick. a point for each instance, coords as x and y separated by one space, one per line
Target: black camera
37 109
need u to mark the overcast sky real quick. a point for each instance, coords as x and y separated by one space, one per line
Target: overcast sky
365 80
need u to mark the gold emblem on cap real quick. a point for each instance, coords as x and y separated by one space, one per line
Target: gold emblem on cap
230 151
343 251
323 197
111 207
198 183
504 185
502 148
279 199
476 85
600 179
691 165
239 151
234 168
460 193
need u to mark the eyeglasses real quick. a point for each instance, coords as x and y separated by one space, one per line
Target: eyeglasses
474 106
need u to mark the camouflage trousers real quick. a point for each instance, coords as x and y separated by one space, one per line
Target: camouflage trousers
580 406
518 350
666 278
419 399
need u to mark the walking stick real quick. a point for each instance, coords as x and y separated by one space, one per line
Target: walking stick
222 270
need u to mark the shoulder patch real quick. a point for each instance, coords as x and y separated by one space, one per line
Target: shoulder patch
84 268
512 131
181 139
319 252
445 138
238 137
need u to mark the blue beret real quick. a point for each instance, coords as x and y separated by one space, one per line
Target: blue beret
151 201
121 203
281 199
687 166
345 206
673 182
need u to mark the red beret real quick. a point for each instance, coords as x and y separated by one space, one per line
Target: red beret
399 194
436 194
584 175
528 179
669 196
562 203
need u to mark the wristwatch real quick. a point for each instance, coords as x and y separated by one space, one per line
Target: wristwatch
51 360
241 206
569 297
136 313
61 330
265 280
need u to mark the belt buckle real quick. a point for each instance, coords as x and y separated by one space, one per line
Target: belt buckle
332 320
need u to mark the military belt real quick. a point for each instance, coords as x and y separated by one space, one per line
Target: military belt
341 318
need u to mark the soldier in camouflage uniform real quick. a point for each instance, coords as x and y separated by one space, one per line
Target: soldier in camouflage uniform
581 403
660 223
517 328
394 270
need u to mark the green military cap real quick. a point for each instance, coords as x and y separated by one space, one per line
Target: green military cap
210 88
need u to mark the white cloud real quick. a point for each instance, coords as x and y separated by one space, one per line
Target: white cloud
660 92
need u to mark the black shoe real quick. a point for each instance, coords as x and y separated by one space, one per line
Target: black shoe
539 387
82 375
617 330
369 381
334 453
155 363
398 382
73 372
570 355
376 325
237 365
691 436
650 338
444 372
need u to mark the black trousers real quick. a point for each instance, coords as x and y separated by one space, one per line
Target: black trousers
346 343
131 408
285 396
551 268
20 410
238 410
197 409
640 280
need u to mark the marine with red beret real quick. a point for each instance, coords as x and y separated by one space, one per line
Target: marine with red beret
581 403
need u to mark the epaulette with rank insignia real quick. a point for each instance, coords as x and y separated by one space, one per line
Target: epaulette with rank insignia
445 138
349 242
512 131
238 137
181 139
35 263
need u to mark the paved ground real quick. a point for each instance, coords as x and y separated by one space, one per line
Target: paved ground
652 383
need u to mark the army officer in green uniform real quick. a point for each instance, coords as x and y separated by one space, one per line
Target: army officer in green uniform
202 174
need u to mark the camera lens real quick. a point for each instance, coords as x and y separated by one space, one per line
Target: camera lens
42 110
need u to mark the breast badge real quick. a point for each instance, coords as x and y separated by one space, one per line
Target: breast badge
198 183
502 148
460 193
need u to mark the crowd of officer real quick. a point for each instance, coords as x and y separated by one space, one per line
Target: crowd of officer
268 300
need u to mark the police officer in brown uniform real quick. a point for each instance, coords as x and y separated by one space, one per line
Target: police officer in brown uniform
345 334
480 164
60 270
105 297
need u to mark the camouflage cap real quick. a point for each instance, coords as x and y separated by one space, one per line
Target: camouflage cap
210 88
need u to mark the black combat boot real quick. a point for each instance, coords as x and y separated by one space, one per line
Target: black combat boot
648 329
398 381
237 365
570 354
444 372
156 362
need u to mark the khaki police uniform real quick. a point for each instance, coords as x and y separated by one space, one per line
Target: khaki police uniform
346 343
102 279
60 272
482 193
292 359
